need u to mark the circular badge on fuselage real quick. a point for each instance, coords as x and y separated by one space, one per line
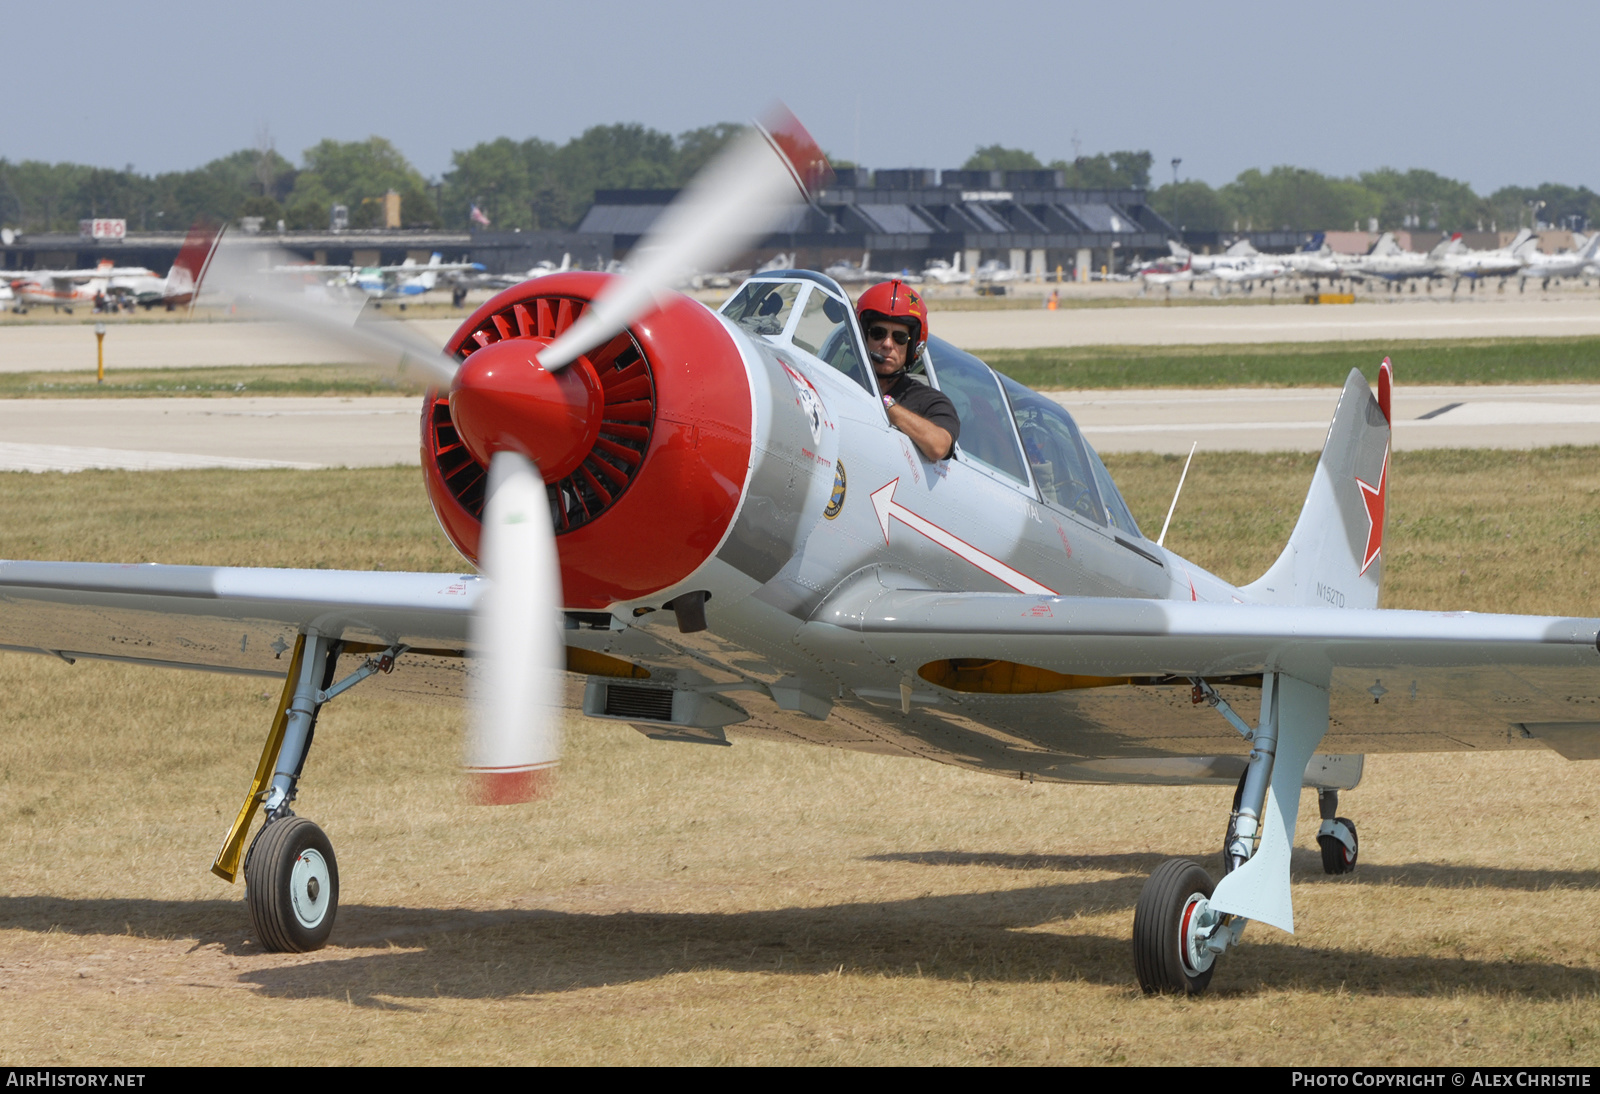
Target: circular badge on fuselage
836 501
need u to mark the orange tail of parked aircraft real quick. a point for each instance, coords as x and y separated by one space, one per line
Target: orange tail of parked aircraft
189 269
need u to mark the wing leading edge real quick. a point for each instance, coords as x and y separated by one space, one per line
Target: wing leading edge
224 618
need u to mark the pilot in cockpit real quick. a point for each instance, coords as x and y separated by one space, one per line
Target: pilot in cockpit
894 321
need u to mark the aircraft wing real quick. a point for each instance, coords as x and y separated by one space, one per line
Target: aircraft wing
236 620
1398 680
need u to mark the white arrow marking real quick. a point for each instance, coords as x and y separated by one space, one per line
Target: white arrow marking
885 506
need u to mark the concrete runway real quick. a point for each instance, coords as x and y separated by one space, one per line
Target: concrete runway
164 434
63 346
159 434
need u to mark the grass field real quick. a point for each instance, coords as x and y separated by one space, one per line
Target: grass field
314 380
1456 361
766 903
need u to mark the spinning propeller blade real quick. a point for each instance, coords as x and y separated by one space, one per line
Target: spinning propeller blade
514 739
739 198
263 277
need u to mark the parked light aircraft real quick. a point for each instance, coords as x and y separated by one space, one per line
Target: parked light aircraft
849 273
540 269
947 273
178 287
1387 261
65 289
1547 268
379 283
1317 260
1240 253
706 519
1167 272
1457 262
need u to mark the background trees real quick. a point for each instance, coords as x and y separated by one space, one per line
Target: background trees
536 184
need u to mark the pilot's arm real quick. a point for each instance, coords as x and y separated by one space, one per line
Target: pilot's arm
927 416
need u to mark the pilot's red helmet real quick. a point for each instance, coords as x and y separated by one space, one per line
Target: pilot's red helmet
900 302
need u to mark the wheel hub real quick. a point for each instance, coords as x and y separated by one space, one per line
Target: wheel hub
1195 928
308 887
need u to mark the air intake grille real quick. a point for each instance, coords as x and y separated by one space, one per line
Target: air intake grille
645 704
626 420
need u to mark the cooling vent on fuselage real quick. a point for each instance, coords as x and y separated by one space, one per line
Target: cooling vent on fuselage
629 413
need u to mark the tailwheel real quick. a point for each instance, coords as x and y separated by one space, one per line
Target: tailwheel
1339 848
291 886
1171 925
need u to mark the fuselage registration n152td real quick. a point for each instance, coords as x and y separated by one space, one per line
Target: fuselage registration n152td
745 548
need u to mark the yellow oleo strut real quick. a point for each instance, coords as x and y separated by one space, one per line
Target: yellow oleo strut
227 865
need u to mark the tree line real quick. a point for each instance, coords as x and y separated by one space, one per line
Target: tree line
535 184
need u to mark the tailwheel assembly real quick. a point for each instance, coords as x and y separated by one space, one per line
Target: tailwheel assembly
1172 927
1340 846
1337 836
291 882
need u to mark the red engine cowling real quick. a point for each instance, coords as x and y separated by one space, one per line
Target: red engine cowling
652 496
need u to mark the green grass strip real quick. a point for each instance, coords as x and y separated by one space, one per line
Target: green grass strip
1309 364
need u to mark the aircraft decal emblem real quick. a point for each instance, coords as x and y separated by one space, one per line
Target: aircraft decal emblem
810 402
886 507
836 501
1373 498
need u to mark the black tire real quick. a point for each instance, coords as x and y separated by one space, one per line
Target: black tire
1158 929
1336 857
292 910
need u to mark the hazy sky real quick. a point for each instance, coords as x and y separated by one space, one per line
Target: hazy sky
1489 93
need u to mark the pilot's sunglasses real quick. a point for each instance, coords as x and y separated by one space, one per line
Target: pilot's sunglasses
879 333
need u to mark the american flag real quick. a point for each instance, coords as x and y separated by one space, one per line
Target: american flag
478 217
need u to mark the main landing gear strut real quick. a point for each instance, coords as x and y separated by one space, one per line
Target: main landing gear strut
1177 934
291 873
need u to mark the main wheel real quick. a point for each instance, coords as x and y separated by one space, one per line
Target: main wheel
291 886
1336 857
1168 955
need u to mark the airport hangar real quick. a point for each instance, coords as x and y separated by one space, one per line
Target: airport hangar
902 218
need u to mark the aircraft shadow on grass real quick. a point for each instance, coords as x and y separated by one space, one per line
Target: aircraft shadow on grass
1305 867
996 936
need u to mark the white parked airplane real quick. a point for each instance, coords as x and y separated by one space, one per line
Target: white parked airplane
946 273
1547 268
64 290
1387 261
1457 262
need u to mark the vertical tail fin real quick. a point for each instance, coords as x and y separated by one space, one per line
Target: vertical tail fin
189 268
1335 554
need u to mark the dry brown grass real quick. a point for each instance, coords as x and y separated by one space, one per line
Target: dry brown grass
761 903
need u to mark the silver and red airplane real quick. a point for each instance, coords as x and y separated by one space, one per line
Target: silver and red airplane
700 523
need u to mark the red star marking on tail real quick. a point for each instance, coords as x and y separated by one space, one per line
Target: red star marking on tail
1372 497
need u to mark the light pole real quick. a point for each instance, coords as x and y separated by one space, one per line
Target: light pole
1175 161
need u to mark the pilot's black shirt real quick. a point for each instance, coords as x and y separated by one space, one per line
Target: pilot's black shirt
928 402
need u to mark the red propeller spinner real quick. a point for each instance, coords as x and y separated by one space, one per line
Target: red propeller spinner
504 400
